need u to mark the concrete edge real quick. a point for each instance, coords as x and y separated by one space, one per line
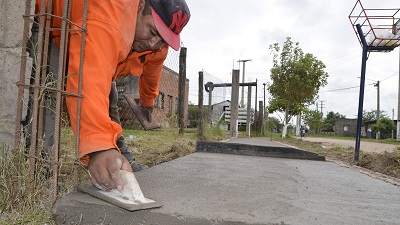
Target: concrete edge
256 150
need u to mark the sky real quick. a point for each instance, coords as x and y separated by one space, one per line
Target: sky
221 32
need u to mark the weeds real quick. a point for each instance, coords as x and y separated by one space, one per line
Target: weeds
21 204
387 163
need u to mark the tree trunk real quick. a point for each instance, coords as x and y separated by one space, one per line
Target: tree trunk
286 121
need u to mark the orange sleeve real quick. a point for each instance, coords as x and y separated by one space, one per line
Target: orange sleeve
148 83
103 50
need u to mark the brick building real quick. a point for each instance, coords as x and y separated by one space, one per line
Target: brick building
166 103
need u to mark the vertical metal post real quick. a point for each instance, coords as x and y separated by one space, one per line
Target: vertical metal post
378 110
234 103
182 89
200 128
392 120
398 106
361 96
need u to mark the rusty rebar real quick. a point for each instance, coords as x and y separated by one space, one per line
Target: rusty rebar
43 78
60 85
36 89
81 66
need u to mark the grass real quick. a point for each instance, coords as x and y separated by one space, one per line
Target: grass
18 204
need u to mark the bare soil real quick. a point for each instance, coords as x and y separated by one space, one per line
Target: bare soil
364 145
375 159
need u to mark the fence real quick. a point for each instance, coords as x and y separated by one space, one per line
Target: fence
42 96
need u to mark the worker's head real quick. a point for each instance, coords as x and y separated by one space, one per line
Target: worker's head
160 22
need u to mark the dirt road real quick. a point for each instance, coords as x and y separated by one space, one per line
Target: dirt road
364 146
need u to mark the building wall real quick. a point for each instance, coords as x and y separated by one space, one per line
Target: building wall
11 36
345 127
167 101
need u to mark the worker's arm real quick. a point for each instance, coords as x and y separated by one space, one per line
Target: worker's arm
98 134
149 80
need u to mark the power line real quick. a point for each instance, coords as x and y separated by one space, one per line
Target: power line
342 89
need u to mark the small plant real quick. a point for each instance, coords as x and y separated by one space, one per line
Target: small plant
20 203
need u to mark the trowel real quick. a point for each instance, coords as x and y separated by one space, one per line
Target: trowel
153 124
130 198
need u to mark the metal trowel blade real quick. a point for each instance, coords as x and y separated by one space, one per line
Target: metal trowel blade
130 198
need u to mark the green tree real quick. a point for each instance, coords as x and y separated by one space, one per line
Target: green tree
330 119
371 115
313 119
272 123
385 127
296 79
193 115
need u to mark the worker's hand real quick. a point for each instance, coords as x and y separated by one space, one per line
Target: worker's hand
147 112
104 167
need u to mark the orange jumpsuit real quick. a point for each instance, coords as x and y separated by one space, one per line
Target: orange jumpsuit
110 33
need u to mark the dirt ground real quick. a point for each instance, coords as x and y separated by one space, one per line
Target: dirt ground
380 160
364 146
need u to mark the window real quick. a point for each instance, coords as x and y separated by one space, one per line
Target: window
346 128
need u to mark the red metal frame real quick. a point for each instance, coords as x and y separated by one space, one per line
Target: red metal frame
379 26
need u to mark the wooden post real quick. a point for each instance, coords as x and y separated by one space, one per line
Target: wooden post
248 119
256 123
200 126
234 103
261 118
182 89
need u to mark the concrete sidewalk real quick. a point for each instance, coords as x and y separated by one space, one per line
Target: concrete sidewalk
213 188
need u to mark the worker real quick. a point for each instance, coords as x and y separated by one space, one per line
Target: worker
129 37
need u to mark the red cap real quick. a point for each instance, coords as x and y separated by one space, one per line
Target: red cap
170 16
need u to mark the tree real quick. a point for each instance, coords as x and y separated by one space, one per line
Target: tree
384 126
272 123
296 79
313 119
371 115
330 119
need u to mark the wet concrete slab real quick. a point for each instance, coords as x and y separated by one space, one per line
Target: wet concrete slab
213 188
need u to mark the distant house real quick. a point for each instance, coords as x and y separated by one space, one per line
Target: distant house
347 127
371 134
217 111
222 110
165 104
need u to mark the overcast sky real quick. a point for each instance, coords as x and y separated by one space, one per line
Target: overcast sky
220 32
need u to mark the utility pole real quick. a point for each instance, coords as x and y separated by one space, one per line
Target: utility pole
263 119
244 68
322 106
378 111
